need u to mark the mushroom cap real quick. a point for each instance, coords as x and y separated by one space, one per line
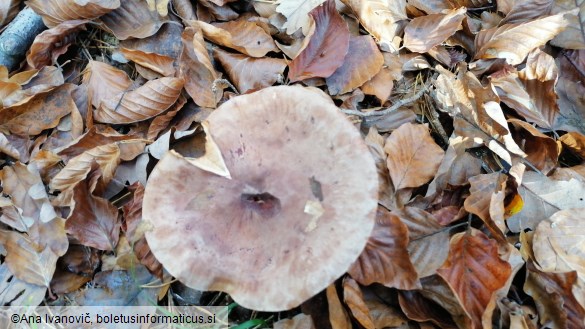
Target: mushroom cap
296 213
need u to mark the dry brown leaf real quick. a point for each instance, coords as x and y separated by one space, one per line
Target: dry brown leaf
143 103
528 10
26 260
420 309
375 144
43 111
429 242
543 197
297 14
514 41
380 85
54 12
483 192
106 156
249 73
474 272
542 151
535 100
381 18
574 142
91 139
573 37
52 43
196 68
425 32
243 36
559 242
337 314
385 258
135 232
327 47
8 9
570 90
413 156
104 81
354 299
555 302
132 20
27 193
162 122
93 220
160 64
362 62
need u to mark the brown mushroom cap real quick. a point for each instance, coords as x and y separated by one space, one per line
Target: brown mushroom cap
296 213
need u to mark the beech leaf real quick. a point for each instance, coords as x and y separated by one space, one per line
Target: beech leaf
327 47
413 156
474 272
514 41
143 103
425 32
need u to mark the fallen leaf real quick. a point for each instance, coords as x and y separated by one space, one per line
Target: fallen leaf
558 242
543 197
327 47
243 36
385 258
337 314
249 73
143 103
573 36
132 20
196 68
26 260
362 62
413 156
354 299
160 64
42 112
381 18
93 220
474 272
514 41
420 309
297 14
103 81
554 299
525 11
574 142
299 321
54 12
52 43
425 32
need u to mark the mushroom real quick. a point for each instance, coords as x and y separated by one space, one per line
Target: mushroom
291 216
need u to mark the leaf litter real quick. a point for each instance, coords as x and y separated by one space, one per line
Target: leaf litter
469 116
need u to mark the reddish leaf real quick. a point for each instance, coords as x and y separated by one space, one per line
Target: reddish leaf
425 32
353 297
385 258
93 220
474 272
326 49
160 64
362 62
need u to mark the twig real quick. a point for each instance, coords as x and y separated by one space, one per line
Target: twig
18 36
390 109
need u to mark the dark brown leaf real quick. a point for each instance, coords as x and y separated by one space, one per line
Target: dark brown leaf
326 49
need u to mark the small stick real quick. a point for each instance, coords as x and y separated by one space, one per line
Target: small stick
390 109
